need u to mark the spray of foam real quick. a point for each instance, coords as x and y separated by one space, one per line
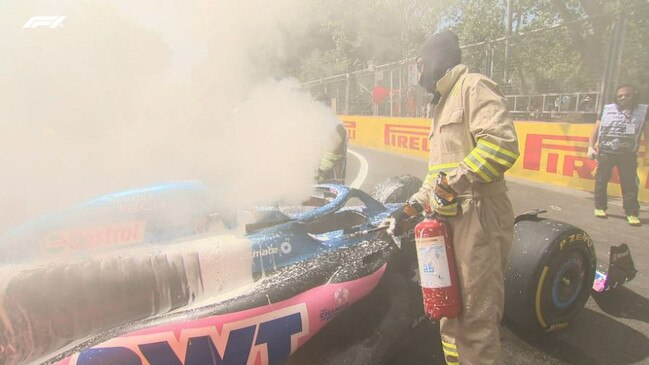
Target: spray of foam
265 164
131 93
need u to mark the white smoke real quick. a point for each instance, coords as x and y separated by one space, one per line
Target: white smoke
131 93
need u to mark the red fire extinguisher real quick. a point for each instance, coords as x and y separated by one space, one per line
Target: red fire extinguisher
437 269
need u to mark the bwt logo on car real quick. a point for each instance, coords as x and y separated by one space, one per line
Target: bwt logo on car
411 137
44 21
265 339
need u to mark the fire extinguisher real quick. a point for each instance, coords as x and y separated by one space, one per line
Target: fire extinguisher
437 269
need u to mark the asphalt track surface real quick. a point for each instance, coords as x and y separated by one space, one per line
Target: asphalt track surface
612 329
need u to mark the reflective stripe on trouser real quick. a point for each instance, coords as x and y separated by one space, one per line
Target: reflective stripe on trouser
481 255
450 352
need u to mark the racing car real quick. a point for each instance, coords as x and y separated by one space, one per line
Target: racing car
158 276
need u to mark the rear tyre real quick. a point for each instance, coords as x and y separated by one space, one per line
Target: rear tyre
396 189
549 275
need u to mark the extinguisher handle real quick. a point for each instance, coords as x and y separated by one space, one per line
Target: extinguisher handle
431 214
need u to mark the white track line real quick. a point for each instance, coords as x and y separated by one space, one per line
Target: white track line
362 172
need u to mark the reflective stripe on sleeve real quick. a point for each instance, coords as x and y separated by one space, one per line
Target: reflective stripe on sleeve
434 170
329 160
446 210
481 167
501 155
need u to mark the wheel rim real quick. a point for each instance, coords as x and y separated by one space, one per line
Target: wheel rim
569 280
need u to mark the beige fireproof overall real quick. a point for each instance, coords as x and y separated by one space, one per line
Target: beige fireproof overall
473 140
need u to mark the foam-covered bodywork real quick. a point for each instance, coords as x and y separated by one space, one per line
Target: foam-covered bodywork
160 276
183 288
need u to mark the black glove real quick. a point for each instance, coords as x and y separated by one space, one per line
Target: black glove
404 220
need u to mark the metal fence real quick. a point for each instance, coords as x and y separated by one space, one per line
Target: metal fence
543 74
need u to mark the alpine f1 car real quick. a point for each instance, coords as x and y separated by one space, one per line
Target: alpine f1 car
158 276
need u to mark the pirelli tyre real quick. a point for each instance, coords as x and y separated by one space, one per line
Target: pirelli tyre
549 275
397 189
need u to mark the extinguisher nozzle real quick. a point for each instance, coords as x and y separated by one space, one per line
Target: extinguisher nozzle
396 240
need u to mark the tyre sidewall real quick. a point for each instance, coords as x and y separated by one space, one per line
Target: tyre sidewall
562 255
539 251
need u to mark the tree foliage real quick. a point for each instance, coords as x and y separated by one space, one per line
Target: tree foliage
344 36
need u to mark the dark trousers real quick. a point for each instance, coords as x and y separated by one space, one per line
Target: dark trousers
627 166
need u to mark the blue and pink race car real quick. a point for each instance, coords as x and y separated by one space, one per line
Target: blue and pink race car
160 276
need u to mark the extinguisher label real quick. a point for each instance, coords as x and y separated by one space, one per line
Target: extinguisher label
433 263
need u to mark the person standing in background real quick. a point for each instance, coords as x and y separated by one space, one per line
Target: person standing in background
333 164
614 142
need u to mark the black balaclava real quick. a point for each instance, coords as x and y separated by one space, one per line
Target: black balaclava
440 52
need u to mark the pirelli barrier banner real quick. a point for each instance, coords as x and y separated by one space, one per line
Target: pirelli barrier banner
553 153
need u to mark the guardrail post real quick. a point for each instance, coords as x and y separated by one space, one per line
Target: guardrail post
347 94
613 58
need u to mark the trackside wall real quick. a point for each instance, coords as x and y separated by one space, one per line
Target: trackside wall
552 153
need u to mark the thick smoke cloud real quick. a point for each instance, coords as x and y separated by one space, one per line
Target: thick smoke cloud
130 93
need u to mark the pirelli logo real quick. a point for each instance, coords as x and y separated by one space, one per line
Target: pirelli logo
411 137
351 129
565 155
561 155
